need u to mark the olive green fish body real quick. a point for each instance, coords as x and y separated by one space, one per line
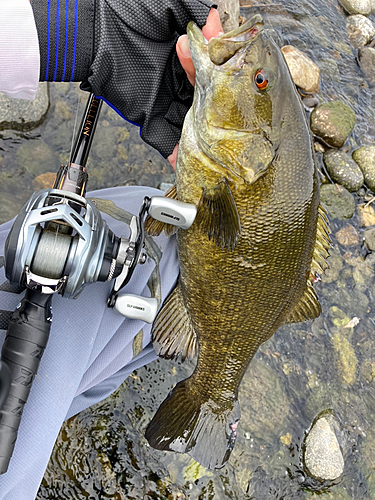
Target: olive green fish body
246 160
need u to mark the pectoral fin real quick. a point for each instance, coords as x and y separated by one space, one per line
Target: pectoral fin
308 307
217 215
155 227
172 332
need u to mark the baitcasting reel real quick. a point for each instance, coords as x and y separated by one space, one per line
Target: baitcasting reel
59 243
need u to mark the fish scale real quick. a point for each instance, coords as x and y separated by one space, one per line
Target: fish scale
247 263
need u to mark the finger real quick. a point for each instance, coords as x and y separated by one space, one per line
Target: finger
183 52
211 29
173 157
213 25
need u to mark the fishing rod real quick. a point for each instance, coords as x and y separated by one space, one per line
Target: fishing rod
59 243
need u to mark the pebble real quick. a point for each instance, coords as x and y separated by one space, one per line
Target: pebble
323 457
44 181
343 169
357 6
338 201
333 122
304 71
366 215
365 158
366 58
20 114
347 236
369 236
360 30
310 103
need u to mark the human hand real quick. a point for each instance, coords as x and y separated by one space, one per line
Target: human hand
211 29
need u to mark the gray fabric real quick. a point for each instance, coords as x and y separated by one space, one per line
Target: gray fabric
89 353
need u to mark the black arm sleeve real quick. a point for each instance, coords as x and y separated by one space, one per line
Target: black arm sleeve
127 57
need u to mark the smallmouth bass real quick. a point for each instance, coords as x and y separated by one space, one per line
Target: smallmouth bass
259 240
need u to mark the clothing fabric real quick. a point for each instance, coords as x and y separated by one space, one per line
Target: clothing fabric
125 55
91 348
19 54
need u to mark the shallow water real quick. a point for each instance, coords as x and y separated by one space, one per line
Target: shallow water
303 370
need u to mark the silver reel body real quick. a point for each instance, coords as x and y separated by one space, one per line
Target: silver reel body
62 257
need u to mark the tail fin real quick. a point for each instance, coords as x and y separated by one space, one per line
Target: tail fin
184 424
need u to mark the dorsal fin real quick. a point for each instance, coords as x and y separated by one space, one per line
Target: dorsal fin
172 332
308 307
217 215
155 227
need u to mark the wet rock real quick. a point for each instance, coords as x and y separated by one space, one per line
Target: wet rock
365 158
366 57
338 201
36 158
323 457
20 114
333 122
346 359
310 103
304 71
366 215
360 30
343 169
369 236
347 236
266 401
63 110
44 181
357 6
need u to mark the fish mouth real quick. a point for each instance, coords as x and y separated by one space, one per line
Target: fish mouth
224 47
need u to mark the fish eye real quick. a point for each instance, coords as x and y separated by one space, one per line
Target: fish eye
261 79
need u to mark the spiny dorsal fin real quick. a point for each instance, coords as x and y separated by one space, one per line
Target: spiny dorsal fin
308 307
172 332
155 227
218 217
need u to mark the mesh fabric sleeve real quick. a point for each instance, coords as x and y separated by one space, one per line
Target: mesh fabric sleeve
124 51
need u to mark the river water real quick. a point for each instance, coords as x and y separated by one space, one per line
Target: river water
303 370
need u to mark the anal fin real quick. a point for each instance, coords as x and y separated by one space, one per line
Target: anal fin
217 215
172 332
155 227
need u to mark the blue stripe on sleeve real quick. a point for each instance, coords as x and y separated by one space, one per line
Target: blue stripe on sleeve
57 38
48 40
75 36
66 36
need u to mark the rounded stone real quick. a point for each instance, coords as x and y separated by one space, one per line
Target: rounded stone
323 457
21 114
365 158
333 122
360 30
338 201
304 71
369 237
366 58
343 169
357 6
347 236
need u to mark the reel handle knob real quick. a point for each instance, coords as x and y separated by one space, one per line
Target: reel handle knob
137 307
173 212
